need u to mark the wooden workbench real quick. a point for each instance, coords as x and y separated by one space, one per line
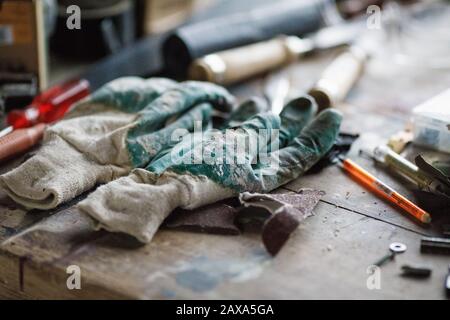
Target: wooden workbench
327 257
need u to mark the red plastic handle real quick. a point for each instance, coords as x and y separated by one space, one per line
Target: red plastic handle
49 106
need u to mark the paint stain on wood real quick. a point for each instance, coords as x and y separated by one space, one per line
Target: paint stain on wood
203 274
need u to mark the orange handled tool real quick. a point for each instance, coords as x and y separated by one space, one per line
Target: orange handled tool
20 141
383 190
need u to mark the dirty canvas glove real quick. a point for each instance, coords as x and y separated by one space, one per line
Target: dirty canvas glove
139 203
118 128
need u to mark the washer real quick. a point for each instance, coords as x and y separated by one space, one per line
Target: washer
397 247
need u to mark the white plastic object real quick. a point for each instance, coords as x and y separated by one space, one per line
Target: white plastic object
431 123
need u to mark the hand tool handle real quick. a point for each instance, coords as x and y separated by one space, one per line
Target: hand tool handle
338 78
384 191
399 164
258 23
49 106
20 141
234 65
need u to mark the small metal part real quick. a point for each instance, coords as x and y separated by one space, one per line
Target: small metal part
415 271
394 248
385 155
384 259
217 66
397 247
435 245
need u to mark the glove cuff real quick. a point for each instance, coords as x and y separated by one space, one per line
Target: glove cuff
50 178
138 204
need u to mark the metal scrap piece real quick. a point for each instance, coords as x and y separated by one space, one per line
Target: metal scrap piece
435 245
434 169
286 212
415 271
216 218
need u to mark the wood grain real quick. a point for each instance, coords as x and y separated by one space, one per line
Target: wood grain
327 257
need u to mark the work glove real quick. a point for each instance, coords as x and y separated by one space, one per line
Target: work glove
119 127
139 203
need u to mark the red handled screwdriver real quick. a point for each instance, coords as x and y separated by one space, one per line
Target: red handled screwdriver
47 107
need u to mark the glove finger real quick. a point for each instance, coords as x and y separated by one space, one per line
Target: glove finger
144 148
315 140
176 101
235 145
168 106
130 94
245 111
295 116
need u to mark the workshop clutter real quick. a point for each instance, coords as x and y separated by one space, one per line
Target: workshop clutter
99 137
123 129
147 151
27 125
428 174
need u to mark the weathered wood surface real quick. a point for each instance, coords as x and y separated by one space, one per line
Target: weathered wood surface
327 257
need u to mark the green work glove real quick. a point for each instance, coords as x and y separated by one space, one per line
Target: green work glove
120 127
139 203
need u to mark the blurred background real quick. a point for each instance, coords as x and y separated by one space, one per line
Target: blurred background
45 42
